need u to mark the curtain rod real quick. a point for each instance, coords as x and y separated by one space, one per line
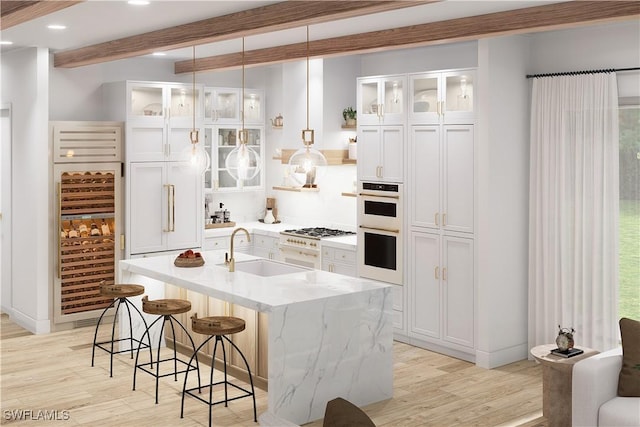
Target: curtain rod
574 73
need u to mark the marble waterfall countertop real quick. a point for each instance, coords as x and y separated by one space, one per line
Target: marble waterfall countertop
246 289
329 335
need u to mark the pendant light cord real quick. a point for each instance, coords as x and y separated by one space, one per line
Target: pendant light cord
193 102
243 107
307 77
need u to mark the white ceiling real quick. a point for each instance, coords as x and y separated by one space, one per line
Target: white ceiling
96 21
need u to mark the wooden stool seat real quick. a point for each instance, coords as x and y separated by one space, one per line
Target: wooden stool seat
217 325
121 291
165 307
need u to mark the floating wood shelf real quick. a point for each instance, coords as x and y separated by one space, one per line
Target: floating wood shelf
349 126
334 157
298 189
349 161
349 194
276 127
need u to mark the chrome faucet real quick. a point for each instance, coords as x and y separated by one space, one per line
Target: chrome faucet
230 261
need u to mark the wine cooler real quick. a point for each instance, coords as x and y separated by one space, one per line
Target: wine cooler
88 222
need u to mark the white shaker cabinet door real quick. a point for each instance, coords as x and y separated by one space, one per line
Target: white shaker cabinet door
148 207
424 176
381 153
424 276
457 279
458 197
185 189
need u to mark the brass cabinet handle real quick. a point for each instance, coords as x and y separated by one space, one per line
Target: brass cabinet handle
168 187
173 207
436 272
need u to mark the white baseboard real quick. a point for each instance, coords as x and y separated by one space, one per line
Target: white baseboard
30 324
494 359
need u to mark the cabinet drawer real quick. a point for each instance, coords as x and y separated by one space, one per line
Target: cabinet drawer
340 255
265 242
212 243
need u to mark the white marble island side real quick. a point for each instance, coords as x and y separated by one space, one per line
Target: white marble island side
328 335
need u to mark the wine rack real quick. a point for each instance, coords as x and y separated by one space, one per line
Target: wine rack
87 243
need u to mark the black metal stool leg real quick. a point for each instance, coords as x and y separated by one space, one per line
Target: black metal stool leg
95 335
224 357
186 375
158 359
253 393
148 334
146 327
175 353
113 334
193 345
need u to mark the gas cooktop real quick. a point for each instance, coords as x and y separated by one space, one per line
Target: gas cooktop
317 232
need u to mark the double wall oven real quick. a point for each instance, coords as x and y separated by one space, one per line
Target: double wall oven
380 231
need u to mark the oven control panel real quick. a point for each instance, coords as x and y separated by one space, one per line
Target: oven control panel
302 242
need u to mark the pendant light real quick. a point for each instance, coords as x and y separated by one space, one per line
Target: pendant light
198 156
307 165
242 163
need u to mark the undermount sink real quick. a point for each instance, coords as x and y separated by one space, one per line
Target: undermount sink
267 268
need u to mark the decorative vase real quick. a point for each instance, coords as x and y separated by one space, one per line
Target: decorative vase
269 218
351 122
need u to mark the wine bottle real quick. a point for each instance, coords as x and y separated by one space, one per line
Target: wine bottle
105 228
94 229
73 232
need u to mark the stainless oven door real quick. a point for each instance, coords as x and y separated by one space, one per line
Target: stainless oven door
380 254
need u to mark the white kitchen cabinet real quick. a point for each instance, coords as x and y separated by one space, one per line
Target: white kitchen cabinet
381 100
266 247
442 290
442 97
381 153
158 115
164 211
441 177
341 261
222 106
219 141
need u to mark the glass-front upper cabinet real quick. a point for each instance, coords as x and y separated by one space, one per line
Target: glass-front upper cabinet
222 105
381 100
155 101
221 140
442 97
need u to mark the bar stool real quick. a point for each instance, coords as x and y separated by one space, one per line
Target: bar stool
218 327
165 309
120 295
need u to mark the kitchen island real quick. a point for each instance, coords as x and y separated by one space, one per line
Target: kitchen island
329 335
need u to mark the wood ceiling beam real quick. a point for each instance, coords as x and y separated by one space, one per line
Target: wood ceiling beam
532 19
13 13
261 20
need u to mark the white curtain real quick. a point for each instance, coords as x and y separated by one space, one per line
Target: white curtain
573 205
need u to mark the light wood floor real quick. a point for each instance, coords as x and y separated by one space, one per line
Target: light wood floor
53 372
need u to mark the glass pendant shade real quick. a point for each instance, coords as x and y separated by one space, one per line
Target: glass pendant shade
307 166
242 163
197 155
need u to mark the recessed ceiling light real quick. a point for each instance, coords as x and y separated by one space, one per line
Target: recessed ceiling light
158 54
56 27
5 42
138 2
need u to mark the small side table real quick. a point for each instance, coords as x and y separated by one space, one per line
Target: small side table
556 382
